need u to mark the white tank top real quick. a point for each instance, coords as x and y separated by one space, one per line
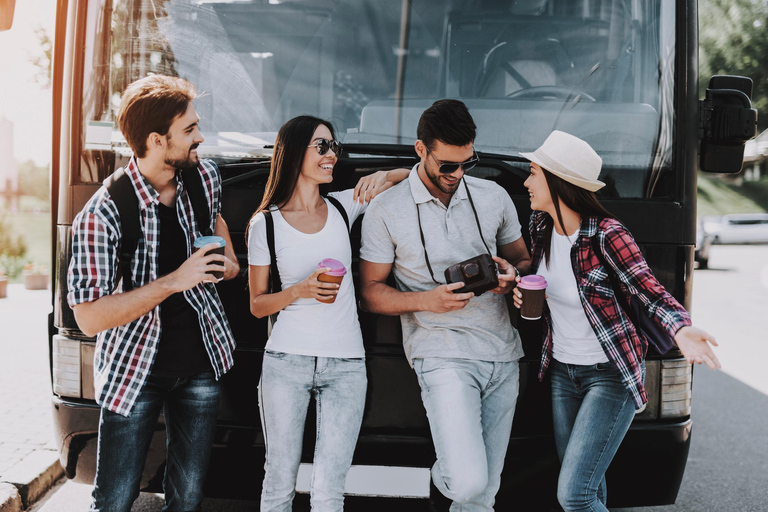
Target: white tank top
574 341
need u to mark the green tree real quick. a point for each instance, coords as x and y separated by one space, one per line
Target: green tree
42 61
733 40
33 180
12 249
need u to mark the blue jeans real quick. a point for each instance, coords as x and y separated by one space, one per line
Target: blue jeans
287 383
190 407
592 411
470 406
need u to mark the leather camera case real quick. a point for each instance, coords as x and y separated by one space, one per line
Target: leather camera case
478 275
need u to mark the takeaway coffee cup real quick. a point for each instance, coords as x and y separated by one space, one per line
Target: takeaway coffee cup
205 240
335 275
532 288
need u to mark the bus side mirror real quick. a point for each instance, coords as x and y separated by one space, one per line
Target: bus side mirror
726 121
6 14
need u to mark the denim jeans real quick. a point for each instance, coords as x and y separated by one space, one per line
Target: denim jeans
470 406
592 411
287 383
190 407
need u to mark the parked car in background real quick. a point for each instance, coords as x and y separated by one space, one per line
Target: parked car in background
703 243
738 228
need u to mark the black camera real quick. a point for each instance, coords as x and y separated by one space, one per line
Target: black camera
478 275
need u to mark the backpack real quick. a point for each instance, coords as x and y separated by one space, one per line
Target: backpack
659 340
121 190
275 283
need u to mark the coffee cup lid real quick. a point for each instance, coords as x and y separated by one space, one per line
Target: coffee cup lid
337 267
532 282
205 240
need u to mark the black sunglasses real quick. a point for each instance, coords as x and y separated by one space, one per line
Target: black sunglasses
323 145
448 168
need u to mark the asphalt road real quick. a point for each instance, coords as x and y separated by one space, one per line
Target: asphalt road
728 464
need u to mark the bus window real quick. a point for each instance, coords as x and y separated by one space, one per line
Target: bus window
601 70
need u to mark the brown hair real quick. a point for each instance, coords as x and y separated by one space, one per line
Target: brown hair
579 200
150 105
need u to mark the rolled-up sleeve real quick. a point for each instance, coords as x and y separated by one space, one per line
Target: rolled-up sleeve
630 266
92 271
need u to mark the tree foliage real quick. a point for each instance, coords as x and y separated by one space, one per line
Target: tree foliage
733 40
12 248
33 180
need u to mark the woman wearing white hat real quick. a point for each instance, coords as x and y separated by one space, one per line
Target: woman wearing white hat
592 350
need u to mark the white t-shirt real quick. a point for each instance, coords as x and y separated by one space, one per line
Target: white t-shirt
308 327
573 340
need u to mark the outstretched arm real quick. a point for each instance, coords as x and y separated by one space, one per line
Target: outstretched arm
374 184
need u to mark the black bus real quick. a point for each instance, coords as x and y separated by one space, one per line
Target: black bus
620 74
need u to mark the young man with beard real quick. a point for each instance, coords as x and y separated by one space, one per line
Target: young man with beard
164 344
463 348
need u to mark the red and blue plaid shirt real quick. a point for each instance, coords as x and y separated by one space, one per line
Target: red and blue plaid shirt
622 344
125 354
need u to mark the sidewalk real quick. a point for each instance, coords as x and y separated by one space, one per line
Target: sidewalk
29 462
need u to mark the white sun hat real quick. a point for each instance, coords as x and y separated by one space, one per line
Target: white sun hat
569 158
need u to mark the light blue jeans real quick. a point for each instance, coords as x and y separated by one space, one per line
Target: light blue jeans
287 383
470 406
592 412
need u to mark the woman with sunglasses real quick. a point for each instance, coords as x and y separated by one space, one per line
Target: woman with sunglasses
594 354
315 347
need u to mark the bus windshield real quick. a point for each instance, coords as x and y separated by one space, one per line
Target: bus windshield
600 69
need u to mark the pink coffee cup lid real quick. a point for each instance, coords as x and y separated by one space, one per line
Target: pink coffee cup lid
337 267
532 282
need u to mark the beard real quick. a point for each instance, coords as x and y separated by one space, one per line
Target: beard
443 187
182 161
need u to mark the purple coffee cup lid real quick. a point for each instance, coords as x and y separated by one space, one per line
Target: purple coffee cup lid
532 282
337 267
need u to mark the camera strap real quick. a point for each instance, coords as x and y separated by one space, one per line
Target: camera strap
477 220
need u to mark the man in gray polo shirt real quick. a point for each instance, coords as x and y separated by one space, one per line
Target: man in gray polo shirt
463 348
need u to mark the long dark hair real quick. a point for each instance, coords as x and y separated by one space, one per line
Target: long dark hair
579 200
288 157
290 147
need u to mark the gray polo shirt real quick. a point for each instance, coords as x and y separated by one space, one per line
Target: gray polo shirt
481 330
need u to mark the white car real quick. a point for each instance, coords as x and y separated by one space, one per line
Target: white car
738 228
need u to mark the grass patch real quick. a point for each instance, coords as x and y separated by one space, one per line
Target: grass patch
717 196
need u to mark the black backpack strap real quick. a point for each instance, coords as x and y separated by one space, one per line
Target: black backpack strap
276 284
335 202
193 182
123 195
274 275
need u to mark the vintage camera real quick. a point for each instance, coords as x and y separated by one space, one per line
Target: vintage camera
478 274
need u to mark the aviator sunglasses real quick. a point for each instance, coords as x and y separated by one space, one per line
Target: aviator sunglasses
448 168
323 145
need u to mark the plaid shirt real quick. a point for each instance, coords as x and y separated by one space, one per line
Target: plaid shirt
125 354
623 346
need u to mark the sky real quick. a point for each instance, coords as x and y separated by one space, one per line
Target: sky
22 100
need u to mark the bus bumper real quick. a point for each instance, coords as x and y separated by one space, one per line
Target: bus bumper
652 453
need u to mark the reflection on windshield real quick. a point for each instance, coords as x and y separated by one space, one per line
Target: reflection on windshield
600 69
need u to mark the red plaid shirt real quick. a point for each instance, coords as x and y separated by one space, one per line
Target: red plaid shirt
622 344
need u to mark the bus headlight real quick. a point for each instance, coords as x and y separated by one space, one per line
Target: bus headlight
676 388
72 367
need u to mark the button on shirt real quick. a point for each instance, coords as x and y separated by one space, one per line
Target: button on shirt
481 330
125 354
